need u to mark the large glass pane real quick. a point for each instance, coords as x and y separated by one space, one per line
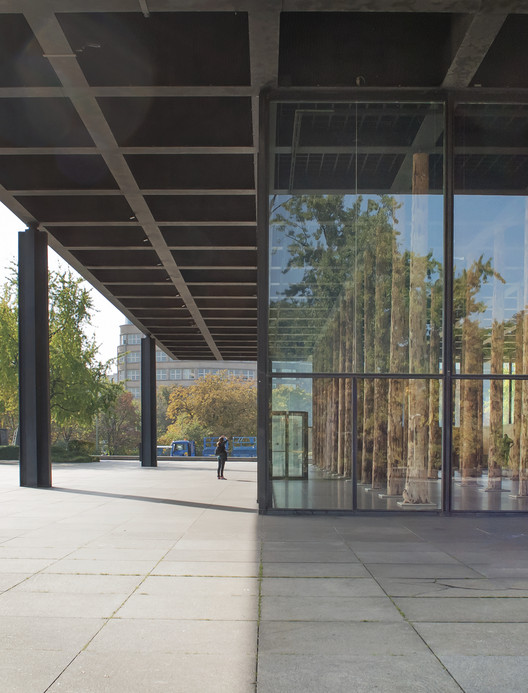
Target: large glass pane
356 238
490 439
311 449
491 239
399 456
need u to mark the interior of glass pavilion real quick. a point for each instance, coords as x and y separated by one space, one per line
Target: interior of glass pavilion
336 190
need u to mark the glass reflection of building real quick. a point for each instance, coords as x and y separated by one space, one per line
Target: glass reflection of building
398 282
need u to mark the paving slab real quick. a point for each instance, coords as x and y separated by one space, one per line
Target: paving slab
191 586
419 570
329 638
79 584
302 608
207 569
489 674
472 639
21 673
424 557
112 672
46 633
454 587
361 674
330 570
100 567
187 606
321 587
464 610
47 604
166 636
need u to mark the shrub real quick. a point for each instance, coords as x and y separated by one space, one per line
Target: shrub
9 452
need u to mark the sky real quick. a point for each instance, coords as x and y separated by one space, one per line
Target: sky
105 321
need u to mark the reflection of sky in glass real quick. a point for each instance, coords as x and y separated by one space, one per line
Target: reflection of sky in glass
492 226
281 278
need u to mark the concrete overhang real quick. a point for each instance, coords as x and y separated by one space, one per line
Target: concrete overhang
129 131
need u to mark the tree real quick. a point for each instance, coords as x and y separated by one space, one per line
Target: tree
214 405
120 424
79 387
290 398
8 356
78 382
162 404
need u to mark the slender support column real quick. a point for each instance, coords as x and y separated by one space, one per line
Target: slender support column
33 331
148 403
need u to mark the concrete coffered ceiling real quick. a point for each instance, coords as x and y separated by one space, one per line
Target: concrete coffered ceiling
129 130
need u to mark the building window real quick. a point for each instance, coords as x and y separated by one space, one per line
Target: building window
161 356
189 373
122 375
123 339
133 357
161 374
136 392
202 372
133 375
175 374
134 338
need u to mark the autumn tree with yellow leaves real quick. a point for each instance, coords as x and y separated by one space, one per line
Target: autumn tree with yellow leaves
214 405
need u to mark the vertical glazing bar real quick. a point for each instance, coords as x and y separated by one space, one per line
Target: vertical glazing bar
33 338
148 403
263 368
354 443
447 346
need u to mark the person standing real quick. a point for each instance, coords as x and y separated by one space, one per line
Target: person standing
221 454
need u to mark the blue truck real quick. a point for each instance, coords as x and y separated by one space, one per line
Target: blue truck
238 446
183 448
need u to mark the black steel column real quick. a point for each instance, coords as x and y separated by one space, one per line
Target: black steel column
148 403
33 346
263 367
447 347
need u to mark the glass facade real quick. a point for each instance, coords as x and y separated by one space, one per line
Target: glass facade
387 316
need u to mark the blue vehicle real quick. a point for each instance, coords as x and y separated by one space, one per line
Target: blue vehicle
238 446
183 448
163 450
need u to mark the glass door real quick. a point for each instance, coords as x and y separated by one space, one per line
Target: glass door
289 444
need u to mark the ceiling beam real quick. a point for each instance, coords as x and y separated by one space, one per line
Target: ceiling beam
53 42
478 33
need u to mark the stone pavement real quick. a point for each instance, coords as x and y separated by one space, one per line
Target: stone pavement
123 579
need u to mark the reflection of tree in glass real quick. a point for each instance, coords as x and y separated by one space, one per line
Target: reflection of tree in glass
350 285
471 337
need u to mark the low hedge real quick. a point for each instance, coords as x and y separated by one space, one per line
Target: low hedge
9 452
59 453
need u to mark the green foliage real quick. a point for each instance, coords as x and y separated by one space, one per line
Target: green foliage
9 356
119 424
162 403
290 398
186 428
79 387
64 454
211 406
78 383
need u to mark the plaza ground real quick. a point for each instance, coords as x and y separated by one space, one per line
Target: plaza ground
122 578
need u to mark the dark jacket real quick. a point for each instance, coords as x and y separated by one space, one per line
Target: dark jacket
220 449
